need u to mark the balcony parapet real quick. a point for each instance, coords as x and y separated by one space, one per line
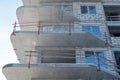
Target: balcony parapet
113 23
48 14
29 40
38 2
111 2
81 39
115 41
58 71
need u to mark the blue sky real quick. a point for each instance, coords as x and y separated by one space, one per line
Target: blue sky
7 19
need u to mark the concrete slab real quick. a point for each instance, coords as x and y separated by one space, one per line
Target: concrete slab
28 2
56 71
30 41
54 14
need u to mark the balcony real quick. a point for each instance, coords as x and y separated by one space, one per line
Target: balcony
38 2
111 2
113 20
112 15
30 40
44 14
115 35
48 36
40 71
115 41
56 71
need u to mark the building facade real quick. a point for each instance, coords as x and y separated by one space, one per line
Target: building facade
66 39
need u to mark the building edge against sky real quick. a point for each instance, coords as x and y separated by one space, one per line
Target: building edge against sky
70 39
7 22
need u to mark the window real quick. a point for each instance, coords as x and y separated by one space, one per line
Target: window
68 8
93 29
56 28
48 29
91 57
88 10
84 10
60 29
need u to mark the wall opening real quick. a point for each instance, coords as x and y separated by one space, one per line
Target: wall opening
58 56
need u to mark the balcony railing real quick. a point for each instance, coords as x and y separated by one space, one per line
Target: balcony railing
113 18
68 28
115 41
110 0
97 59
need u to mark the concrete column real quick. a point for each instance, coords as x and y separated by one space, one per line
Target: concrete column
80 56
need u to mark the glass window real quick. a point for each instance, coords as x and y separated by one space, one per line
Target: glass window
92 10
91 57
84 10
88 10
68 8
61 29
47 28
93 29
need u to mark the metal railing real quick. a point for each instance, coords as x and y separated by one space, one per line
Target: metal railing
66 28
115 41
111 0
99 60
113 18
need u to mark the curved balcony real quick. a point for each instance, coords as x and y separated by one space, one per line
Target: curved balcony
48 14
30 40
111 2
38 2
56 71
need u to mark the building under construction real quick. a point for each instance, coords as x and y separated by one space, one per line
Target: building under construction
66 40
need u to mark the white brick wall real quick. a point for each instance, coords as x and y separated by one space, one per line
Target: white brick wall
90 19
93 17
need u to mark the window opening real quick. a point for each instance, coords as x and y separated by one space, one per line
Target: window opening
68 8
91 57
93 29
88 9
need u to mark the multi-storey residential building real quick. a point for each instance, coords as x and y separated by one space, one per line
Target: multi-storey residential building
66 39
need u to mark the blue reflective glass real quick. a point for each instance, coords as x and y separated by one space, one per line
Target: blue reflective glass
92 10
102 60
88 10
86 28
84 10
93 29
91 57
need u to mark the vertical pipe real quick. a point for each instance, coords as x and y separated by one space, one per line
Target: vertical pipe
69 28
106 39
29 60
38 27
14 28
98 60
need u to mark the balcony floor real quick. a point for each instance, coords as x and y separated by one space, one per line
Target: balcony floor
56 72
25 41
